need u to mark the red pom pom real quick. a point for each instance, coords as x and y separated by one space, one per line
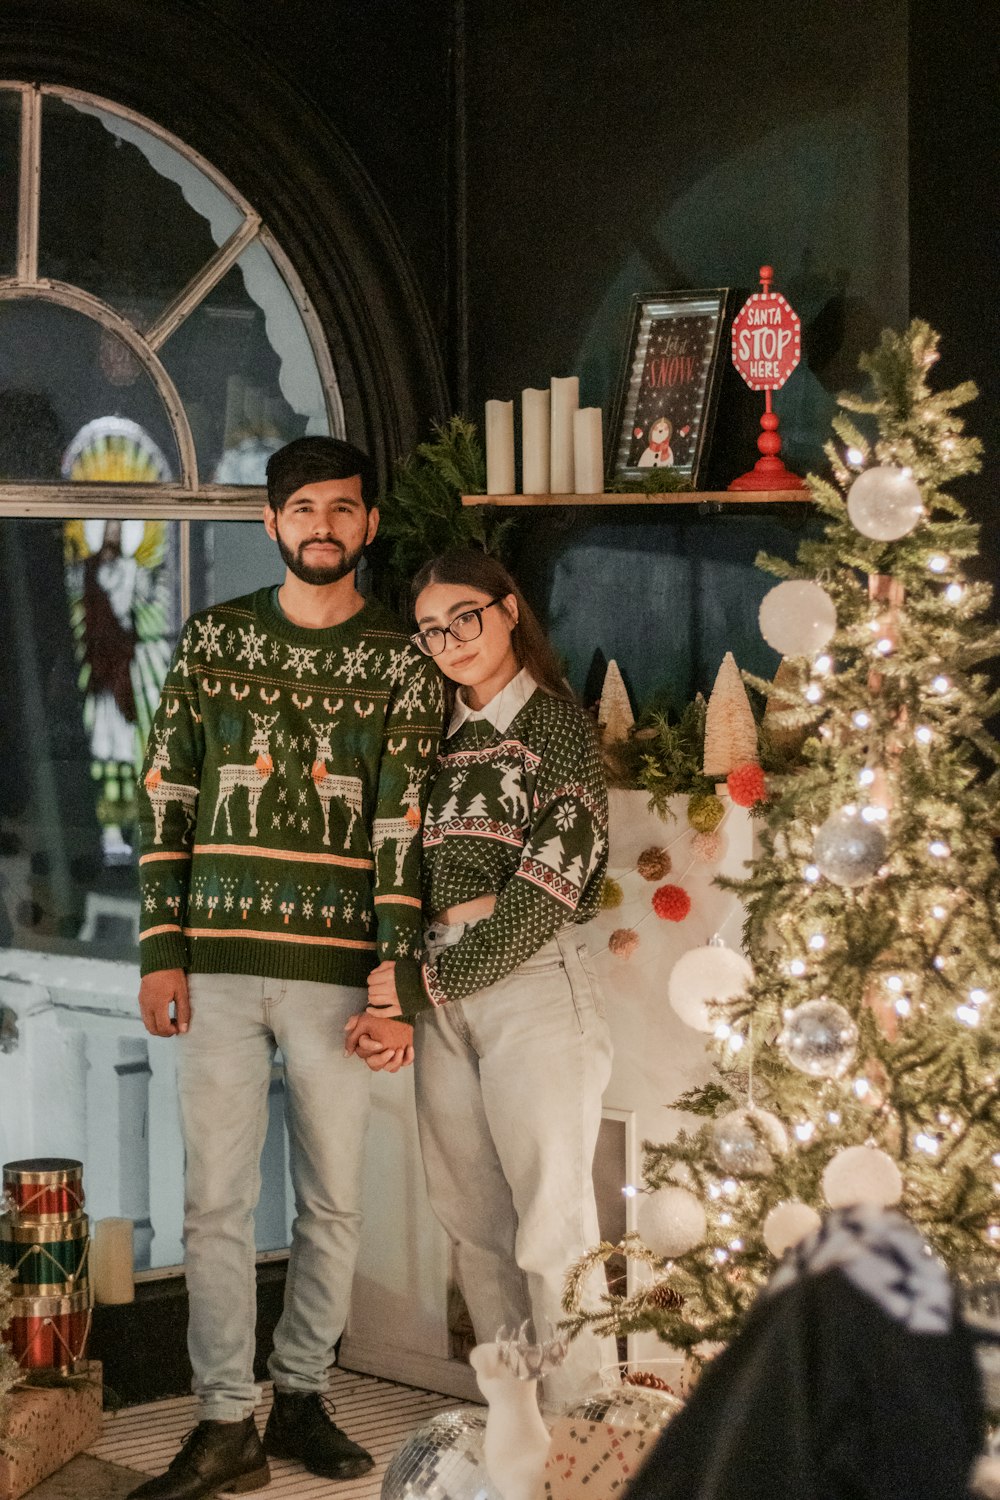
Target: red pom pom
747 785
672 903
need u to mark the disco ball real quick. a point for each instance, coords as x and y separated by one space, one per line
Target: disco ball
635 1406
443 1460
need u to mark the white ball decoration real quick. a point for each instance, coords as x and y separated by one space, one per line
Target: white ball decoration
848 850
862 1174
819 1038
788 1224
745 1142
797 618
672 1221
884 504
710 973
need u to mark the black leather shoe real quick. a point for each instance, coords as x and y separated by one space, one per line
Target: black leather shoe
216 1457
300 1427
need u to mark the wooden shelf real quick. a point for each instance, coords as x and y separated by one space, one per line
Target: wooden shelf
680 497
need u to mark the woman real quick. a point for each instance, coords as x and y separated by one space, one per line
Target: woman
512 1049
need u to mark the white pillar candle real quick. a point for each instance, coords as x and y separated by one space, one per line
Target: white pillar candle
499 447
535 431
565 400
111 1268
588 451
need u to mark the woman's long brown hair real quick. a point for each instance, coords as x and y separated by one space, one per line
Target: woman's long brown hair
479 571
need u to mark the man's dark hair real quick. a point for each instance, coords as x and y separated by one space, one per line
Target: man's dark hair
311 460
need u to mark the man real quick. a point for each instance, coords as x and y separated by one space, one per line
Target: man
280 814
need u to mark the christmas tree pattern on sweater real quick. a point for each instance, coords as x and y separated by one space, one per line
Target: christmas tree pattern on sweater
284 784
522 814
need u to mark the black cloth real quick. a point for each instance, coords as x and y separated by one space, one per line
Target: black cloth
825 1396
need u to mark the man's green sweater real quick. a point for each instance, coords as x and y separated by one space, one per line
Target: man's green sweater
282 797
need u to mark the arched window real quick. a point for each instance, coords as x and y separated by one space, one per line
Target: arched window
156 345
152 333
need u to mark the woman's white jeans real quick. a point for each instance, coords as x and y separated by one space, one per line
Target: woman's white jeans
508 1085
224 1075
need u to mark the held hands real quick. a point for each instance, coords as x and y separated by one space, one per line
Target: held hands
386 1045
157 993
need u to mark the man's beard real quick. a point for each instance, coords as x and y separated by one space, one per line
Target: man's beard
332 573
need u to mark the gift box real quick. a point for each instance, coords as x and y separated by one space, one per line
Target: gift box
592 1460
48 1426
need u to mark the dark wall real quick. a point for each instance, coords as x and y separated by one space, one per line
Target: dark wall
616 148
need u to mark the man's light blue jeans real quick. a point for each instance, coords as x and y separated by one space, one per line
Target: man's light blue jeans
224 1073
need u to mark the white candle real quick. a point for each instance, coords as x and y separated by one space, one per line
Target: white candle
499 447
111 1268
535 424
565 400
588 451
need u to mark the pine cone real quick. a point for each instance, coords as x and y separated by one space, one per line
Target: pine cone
647 1379
661 1294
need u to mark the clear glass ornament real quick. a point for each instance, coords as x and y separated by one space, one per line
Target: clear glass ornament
848 850
820 1038
884 504
797 617
443 1460
745 1142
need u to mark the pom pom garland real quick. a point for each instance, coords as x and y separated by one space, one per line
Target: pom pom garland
747 785
612 895
623 942
706 848
705 812
671 902
654 864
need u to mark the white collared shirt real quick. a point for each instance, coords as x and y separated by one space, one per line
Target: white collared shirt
502 707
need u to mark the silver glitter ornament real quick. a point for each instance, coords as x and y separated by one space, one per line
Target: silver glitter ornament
745 1142
635 1406
443 1460
848 850
819 1038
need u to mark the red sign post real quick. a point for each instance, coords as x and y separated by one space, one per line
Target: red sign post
767 345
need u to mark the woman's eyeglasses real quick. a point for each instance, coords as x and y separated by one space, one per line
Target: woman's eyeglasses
464 627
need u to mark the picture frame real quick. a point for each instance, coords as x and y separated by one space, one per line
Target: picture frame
668 388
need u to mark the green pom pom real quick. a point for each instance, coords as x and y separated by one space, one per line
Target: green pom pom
705 812
612 895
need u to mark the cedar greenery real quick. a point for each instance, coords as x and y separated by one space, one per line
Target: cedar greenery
422 514
9 1370
913 954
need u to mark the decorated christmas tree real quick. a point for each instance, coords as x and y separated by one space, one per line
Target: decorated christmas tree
857 1050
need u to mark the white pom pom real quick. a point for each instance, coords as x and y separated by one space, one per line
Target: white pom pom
712 972
788 1224
862 1174
672 1221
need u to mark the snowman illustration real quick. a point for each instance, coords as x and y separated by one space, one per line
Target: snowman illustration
658 455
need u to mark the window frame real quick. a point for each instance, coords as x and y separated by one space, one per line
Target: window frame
189 498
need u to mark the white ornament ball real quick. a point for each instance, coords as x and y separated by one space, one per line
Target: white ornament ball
709 973
788 1224
884 504
745 1142
797 618
848 850
862 1174
819 1038
672 1221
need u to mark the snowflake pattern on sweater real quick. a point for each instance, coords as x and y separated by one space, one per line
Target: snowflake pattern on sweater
522 814
283 801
